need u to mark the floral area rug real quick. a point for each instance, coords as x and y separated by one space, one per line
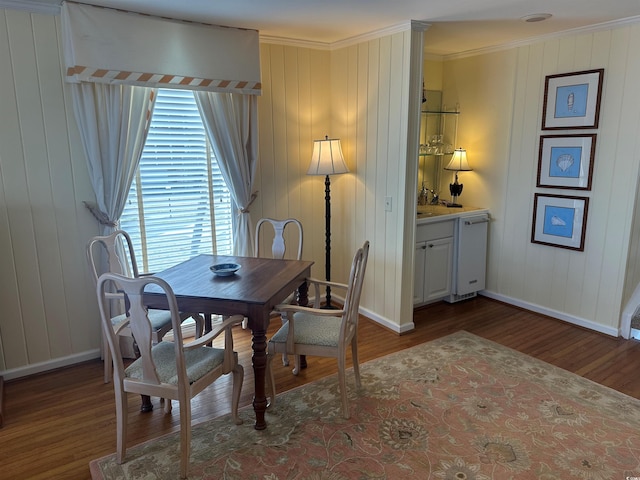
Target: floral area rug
459 408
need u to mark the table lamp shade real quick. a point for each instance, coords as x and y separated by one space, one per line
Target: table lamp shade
459 161
327 158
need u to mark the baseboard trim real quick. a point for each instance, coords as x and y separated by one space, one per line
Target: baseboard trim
50 364
581 322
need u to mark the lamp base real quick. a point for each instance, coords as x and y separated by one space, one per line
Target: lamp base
328 307
454 205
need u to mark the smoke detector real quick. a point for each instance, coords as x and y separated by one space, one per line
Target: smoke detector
535 17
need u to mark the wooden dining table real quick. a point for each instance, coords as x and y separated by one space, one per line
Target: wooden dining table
253 291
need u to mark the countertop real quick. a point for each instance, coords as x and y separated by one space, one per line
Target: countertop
438 213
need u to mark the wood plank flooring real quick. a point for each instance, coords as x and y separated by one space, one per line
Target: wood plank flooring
55 423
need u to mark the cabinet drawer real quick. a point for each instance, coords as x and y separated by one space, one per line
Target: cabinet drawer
433 231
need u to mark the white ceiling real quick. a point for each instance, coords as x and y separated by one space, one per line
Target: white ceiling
457 26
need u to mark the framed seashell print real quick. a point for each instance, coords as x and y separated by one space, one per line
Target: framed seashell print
566 161
572 100
559 221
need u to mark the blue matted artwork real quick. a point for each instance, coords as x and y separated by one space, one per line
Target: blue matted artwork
558 221
571 100
565 162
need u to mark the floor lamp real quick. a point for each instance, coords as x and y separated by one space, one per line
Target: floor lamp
327 159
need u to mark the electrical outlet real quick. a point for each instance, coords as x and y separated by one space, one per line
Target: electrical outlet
388 204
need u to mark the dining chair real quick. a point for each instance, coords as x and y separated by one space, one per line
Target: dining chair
114 253
278 250
171 370
322 332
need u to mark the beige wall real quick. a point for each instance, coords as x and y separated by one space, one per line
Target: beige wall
501 96
357 93
48 316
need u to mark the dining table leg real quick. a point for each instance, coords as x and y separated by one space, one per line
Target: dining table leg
259 322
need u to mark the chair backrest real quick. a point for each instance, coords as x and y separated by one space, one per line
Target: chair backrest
354 290
138 321
278 246
112 253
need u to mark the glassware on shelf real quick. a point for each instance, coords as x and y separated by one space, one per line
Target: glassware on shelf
435 144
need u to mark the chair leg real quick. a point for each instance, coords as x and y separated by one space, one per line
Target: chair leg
106 358
185 434
285 357
238 378
356 364
343 385
121 423
271 381
296 363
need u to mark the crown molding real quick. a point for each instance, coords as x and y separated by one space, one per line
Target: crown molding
365 37
31 6
35 6
541 38
347 42
293 42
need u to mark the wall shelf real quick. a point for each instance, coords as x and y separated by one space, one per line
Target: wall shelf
438 135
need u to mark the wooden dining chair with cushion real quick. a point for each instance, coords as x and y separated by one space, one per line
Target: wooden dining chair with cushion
114 253
279 250
322 332
170 370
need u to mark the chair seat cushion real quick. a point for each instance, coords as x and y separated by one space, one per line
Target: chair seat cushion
158 318
199 362
311 330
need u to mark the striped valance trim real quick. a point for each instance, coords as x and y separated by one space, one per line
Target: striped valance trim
86 74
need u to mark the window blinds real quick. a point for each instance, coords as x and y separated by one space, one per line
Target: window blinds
178 205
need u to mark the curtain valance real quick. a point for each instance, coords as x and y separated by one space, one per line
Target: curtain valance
103 45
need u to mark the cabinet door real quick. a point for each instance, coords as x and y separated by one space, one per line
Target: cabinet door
438 268
418 273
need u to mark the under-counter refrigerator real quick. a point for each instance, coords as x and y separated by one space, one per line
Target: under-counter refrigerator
471 255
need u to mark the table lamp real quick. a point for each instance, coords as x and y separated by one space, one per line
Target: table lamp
458 163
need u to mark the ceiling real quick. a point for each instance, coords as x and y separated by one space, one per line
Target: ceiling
457 26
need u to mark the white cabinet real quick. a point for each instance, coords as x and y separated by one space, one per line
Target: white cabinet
450 257
433 270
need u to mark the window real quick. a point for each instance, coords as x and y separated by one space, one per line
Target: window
179 205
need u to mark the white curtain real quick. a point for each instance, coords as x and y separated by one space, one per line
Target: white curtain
231 123
114 122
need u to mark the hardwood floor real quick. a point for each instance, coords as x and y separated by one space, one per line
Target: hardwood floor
55 423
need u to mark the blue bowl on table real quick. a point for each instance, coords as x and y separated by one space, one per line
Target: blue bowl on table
224 269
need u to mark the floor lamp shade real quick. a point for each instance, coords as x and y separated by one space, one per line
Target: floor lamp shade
327 159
